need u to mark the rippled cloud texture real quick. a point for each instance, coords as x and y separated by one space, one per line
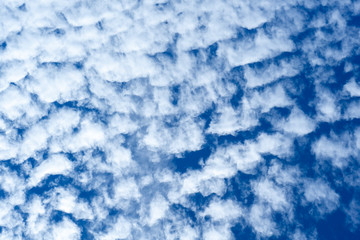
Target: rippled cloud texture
233 119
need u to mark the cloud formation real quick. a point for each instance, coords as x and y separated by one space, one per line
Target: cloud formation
179 119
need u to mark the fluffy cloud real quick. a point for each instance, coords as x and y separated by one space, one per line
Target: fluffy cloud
178 119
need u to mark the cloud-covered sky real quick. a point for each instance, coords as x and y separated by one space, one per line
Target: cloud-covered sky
181 119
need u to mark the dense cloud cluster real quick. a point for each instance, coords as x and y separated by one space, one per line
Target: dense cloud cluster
181 119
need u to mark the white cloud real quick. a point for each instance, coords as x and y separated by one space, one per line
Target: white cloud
261 47
121 229
337 149
157 209
327 107
119 61
357 137
8 217
246 157
223 210
353 214
119 157
260 220
63 121
188 234
82 210
121 124
229 121
271 72
66 229
284 176
8 149
37 222
108 98
276 144
64 200
270 97
35 139
56 164
121 68
318 192
124 191
14 103
13 185
218 233
54 84
207 182
352 110
267 191
297 123
12 73
298 235
91 134
187 137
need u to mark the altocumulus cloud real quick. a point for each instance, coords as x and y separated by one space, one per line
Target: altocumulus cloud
125 119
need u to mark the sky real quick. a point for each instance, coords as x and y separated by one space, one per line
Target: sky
179 119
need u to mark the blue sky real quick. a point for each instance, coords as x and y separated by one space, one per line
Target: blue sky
179 119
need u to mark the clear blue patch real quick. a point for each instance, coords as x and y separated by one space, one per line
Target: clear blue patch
99 26
303 215
200 201
334 227
48 184
22 7
32 162
53 64
163 6
212 53
185 212
59 32
114 212
3 45
14 168
20 133
191 160
168 55
302 89
99 153
206 116
236 98
354 21
3 194
87 195
57 216
236 75
239 188
243 33
175 94
240 136
79 65
85 226
242 231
